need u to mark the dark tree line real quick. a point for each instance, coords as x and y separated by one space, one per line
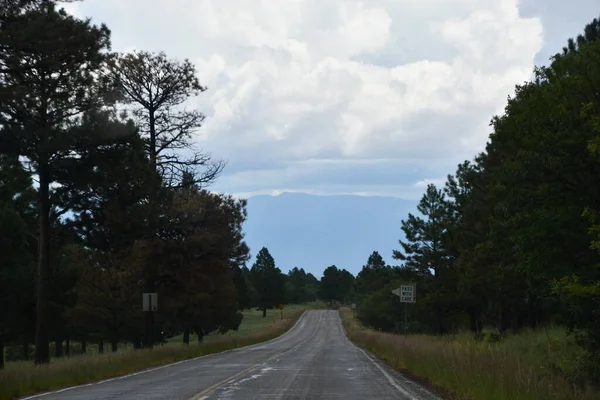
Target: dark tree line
98 206
264 286
511 241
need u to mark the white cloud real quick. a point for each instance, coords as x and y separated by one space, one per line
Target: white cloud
426 182
411 81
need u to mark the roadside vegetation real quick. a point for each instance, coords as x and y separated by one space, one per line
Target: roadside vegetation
506 249
23 378
531 365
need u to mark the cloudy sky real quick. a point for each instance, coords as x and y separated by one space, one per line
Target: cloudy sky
345 96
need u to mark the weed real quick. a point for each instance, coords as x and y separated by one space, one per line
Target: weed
533 365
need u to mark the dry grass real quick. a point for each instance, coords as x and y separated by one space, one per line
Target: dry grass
21 379
535 365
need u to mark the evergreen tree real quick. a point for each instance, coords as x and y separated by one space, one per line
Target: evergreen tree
49 62
268 282
156 88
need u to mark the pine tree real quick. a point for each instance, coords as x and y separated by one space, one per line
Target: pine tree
49 68
268 281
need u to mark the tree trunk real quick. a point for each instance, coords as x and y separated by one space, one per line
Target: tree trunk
101 347
200 334
114 344
264 312
1 353
152 126
83 346
25 348
186 336
68 348
42 346
58 350
473 320
533 317
440 321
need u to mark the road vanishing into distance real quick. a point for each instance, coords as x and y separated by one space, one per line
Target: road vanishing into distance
313 360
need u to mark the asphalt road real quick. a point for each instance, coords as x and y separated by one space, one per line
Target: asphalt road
314 360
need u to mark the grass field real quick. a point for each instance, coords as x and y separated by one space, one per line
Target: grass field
23 378
534 365
253 321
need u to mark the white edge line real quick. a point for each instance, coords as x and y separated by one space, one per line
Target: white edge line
166 365
390 379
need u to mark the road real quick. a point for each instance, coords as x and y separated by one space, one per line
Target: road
313 360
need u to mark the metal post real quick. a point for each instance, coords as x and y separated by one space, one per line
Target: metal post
405 318
151 324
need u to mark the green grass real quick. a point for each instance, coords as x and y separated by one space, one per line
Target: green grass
533 365
253 321
23 378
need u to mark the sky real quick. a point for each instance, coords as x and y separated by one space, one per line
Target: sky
376 97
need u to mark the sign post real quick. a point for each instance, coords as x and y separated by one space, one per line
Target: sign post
354 309
149 305
407 294
281 307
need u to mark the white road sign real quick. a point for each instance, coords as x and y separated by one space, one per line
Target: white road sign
354 306
149 301
407 293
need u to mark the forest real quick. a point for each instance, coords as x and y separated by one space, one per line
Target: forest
104 196
511 241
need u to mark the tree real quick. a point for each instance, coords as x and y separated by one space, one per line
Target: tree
268 281
336 284
469 209
114 199
424 250
158 88
16 248
50 63
199 250
373 275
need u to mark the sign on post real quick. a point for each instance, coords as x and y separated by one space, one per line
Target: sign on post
149 302
354 306
407 293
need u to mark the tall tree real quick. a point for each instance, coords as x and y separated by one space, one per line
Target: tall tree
268 281
158 89
336 284
16 248
373 275
50 64
424 250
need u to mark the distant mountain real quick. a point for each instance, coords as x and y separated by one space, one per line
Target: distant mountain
313 232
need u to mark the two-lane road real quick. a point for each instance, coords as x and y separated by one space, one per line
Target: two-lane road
314 360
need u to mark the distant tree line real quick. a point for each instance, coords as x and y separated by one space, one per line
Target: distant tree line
512 239
264 286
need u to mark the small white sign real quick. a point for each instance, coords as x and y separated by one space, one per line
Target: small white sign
354 306
407 294
149 301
